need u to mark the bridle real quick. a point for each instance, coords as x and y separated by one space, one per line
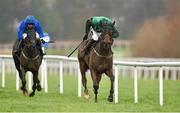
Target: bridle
98 54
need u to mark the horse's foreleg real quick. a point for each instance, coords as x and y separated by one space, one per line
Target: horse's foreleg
22 74
111 76
96 87
35 80
95 84
38 84
84 80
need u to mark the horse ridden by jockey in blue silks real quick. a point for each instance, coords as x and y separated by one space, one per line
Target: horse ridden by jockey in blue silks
31 22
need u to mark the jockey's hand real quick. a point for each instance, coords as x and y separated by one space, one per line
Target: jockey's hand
24 35
43 41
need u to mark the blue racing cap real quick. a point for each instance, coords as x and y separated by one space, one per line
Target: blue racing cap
30 19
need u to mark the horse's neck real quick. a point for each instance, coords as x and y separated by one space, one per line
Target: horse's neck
101 50
31 32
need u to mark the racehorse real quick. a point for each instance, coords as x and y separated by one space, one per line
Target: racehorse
98 61
29 59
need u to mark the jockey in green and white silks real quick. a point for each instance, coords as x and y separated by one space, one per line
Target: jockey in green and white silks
95 26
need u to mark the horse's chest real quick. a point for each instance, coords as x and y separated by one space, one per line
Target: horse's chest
30 65
102 64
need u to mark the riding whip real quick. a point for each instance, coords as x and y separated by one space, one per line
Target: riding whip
75 49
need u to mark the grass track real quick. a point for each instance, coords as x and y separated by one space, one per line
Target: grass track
13 101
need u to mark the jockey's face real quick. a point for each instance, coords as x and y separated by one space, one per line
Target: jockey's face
30 26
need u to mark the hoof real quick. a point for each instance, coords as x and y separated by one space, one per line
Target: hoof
39 88
32 94
21 88
95 101
25 93
86 96
110 99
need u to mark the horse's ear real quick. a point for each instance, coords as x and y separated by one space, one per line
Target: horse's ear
113 23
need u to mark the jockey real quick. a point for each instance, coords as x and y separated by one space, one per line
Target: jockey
97 24
46 39
27 22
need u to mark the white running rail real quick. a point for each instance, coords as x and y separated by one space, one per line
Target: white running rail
134 64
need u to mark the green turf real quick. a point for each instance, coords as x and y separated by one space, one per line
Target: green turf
13 101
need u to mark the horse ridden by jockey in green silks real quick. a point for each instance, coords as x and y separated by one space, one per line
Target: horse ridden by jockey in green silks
94 27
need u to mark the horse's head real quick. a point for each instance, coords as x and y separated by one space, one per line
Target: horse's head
31 41
106 39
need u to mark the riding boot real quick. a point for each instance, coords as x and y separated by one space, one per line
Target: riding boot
88 47
85 37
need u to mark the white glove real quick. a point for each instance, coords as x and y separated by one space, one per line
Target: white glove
95 35
37 35
46 39
24 35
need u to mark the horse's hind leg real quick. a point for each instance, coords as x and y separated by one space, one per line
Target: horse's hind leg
84 80
111 76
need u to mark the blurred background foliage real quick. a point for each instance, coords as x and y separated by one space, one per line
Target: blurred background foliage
150 26
65 19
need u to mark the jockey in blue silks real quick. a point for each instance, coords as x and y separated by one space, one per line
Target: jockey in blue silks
28 21
32 21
